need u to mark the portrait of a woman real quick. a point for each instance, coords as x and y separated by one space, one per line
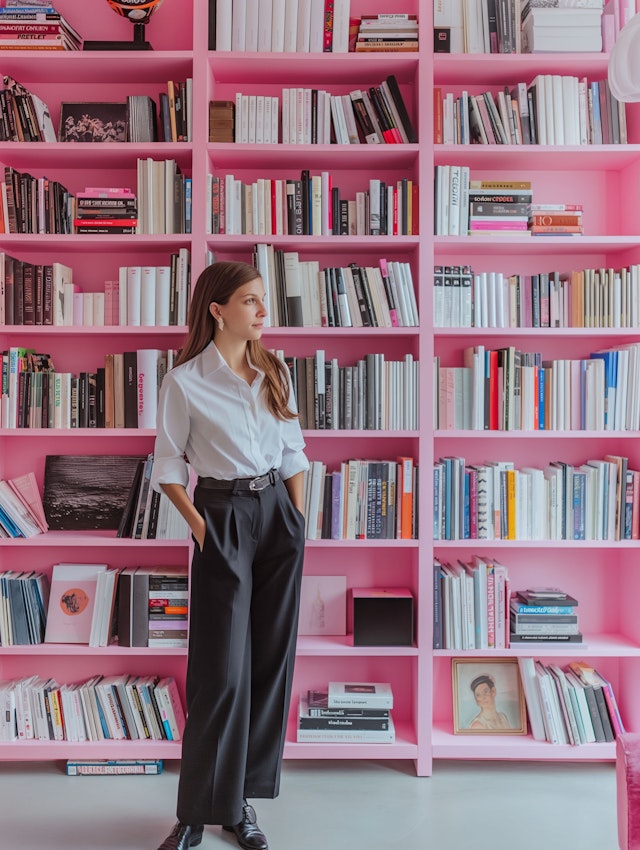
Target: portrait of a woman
488 698
484 692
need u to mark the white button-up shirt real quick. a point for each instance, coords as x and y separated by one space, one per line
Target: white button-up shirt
222 424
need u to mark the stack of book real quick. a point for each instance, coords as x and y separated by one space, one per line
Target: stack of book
556 220
148 514
499 208
571 705
148 595
102 209
348 712
168 608
35 25
560 27
34 204
222 121
387 32
543 615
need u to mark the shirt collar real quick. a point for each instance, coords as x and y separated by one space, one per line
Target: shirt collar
212 361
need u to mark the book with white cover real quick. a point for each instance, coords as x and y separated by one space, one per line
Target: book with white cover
71 602
360 694
348 736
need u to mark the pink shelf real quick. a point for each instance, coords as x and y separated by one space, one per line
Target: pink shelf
330 68
378 245
117 433
595 646
365 544
342 434
537 544
110 331
81 242
48 750
553 245
449 746
40 156
500 69
343 645
323 157
405 747
84 651
538 157
93 539
537 435
336 333
590 333
106 68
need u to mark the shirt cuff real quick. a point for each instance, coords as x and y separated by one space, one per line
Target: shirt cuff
292 464
169 470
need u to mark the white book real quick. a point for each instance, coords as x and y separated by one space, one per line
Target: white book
163 292
277 26
123 299
223 24
359 694
316 27
303 33
339 121
147 384
87 308
98 309
133 290
350 119
340 39
252 118
148 295
239 26
275 106
265 26
251 32
290 26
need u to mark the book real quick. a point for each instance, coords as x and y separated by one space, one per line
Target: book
339 722
113 767
343 735
360 695
87 491
71 602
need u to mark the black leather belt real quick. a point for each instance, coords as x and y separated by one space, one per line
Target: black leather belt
235 485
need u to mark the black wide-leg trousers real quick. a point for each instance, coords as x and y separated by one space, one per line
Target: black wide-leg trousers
244 600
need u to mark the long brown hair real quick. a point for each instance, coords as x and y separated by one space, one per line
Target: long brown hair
217 283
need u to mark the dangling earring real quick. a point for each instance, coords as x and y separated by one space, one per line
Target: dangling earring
221 323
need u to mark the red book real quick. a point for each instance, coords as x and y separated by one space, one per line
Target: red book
328 26
105 222
493 390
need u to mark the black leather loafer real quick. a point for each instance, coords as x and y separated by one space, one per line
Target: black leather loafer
248 833
183 836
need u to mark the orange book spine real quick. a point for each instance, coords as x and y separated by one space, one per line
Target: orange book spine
405 497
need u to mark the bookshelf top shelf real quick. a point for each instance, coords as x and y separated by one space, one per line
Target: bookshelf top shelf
539 157
118 66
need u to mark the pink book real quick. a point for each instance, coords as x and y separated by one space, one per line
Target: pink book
491 607
26 489
393 313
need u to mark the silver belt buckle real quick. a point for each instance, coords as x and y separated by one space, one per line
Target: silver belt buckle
259 483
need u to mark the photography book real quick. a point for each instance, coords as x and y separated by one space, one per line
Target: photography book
113 767
360 695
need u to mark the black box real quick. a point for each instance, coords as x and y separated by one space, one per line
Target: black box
441 40
382 616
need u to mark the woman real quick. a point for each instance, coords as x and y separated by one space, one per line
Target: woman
227 405
484 692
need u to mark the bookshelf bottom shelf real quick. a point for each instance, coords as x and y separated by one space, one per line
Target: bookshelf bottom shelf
53 750
521 747
405 747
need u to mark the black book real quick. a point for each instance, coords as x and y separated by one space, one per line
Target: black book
401 109
100 397
83 400
366 310
305 187
126 520
130 364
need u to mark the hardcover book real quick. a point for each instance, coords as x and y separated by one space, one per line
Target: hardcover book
71 602
360 694
93 122
84 492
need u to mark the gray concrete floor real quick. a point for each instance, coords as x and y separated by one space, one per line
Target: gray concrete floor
338 805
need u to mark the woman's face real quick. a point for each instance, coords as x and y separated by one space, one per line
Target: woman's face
485 695
245 311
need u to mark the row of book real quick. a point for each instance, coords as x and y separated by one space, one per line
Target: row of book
36 27
553 109
571 704
301 294
372 394
585 298
148 514
377 115
348 712
24 117
121 394
311 206
470 604
363 500
387 32
489 207
119 707
95 605
509 26
40 205
21 510
507 389
596 500
312 26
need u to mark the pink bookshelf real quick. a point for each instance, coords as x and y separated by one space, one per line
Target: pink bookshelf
602 574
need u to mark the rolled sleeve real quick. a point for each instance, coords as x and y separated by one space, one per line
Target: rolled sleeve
172 423
294 459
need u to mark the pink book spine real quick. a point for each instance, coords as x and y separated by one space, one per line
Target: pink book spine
491 608
499 573
498 225
473 504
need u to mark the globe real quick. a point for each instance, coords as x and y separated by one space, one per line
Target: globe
137 11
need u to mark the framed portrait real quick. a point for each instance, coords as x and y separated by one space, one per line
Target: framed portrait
93 122
487 697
